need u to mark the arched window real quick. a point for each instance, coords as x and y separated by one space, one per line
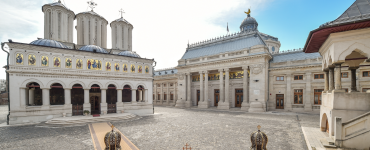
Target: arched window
34 94
56 94
126 94
273 49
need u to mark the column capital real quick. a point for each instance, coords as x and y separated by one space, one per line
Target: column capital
226 69
353 68
133 89
220 70
188 73
200 72
206 72
103 88
86 88
45 88
245 67
67 88
119 89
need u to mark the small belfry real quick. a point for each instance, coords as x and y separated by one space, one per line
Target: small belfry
121 33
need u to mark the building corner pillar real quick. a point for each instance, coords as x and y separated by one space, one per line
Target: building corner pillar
245 103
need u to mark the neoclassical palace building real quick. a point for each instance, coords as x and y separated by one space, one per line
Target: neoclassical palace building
54 77
248 70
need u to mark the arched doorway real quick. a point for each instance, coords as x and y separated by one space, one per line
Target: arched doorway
324 123
77 99
126 94
112 98
34 94
56 94
140 93
95 99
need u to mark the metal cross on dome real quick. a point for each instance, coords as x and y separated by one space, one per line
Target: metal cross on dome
122 12
92 4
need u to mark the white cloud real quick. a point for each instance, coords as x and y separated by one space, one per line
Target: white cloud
162 28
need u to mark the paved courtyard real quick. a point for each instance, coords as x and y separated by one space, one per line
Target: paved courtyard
172 128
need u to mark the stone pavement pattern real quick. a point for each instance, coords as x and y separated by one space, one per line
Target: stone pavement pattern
172 128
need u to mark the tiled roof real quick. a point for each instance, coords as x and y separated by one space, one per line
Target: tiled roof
228 46
359 10
165 72
293 56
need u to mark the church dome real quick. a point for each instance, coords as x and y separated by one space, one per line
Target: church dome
49 43
93 48
129 54
248 24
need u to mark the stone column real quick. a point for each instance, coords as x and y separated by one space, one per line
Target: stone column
225 104
288 97
331 79
45 98
188 102
174 93
168 94
31 96
245 104
180 102
133 96
146 99
141 95
87 105
307 98
201 86
103 103
353 79
119 103
221 86
161 94
326 75
67 96
155 93
206 89
338 77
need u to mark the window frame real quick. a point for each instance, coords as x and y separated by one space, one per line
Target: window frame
364 89
298 77
298 95
368 73
341 74
319 101
278 78
323 77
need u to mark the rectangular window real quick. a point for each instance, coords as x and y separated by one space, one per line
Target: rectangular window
366 74
365 89
319 76
317 96
344 74
281 78
298 77
298 96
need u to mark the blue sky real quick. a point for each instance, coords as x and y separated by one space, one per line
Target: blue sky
162 28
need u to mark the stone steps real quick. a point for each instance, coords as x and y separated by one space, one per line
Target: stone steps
89 119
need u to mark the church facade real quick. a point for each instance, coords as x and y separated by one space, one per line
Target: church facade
247 70
54 77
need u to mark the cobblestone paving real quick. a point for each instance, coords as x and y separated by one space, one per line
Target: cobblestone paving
171 128
220 130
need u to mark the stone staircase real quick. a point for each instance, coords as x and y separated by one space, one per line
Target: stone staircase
81 120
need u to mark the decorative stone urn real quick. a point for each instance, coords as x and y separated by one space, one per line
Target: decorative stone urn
112 140
259 140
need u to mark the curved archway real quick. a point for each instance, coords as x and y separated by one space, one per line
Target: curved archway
33 94
50 83
324 123
115 84
27 82
77 99
56 94
126 93
80 83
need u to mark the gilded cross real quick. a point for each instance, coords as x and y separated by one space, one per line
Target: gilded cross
122 12
92 4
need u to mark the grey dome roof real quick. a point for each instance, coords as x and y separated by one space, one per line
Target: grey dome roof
91 48
49 43
249 21
129 54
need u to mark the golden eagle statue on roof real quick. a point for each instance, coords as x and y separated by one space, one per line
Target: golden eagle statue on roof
249 11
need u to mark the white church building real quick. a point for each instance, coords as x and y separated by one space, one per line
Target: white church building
54 77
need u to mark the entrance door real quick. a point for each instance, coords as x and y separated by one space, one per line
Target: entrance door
77 99
238 97
279 101
217 96
95 103
198 96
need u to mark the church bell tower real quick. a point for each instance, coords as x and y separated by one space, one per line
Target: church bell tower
58 22
121 34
